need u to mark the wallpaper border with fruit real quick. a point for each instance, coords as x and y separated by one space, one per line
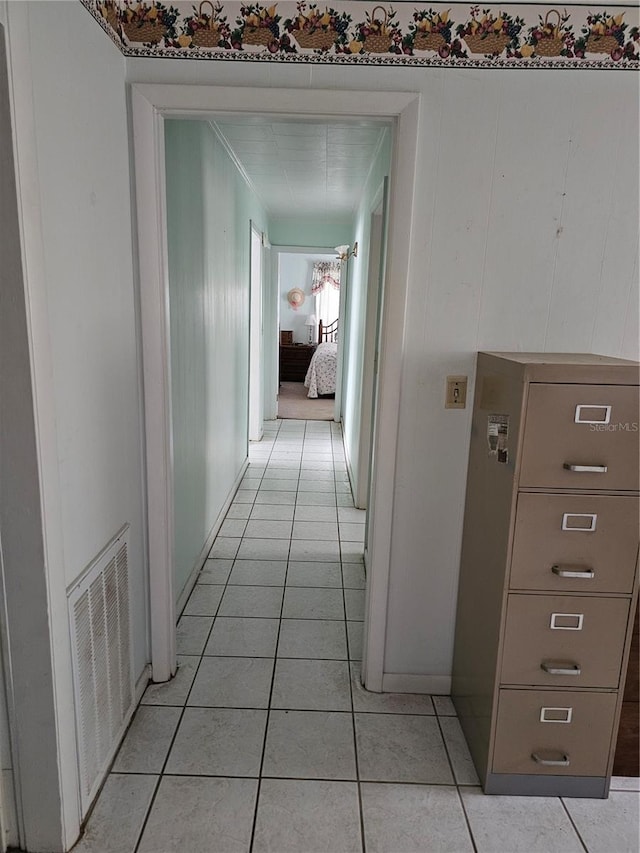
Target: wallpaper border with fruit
405 33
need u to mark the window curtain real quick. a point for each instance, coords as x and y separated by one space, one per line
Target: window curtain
325 287
325 274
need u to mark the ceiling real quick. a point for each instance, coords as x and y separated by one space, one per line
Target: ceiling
303 168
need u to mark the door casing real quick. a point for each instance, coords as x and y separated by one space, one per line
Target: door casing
151 103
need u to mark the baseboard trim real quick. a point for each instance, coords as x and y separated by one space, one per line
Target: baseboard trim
141 684
399 682
193 577
347 460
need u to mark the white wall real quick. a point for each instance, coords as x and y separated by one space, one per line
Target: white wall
296 270
527 240
209 208
81 133
69 107
524 236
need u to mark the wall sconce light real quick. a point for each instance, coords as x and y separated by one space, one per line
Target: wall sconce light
344 254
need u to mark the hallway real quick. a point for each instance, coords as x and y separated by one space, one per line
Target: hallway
265 740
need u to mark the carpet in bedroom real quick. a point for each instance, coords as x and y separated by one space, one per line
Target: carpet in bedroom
294 403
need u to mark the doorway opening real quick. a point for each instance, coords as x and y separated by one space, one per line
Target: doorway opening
151 107
308 288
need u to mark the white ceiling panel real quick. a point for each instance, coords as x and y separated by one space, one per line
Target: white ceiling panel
298 167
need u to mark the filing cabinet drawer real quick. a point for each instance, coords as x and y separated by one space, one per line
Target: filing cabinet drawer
581 437
568 733
564 641
575 543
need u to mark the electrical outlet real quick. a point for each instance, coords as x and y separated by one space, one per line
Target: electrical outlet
456 394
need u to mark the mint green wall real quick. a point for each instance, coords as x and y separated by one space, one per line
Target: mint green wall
209 208
309 232
355 314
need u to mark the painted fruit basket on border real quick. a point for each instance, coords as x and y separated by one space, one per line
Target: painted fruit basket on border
380 32
207 27
604 33
316 29
147 23
490 34
430 30
258 25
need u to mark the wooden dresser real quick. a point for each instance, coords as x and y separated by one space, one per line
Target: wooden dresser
294 361
548 576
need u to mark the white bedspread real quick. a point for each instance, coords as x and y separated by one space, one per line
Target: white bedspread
321 376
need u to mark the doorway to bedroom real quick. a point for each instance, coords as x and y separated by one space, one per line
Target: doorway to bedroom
309 296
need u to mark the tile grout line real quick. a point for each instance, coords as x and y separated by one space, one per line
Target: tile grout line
455 779
184 706
466 818
363 843
407 782
295 709
268 717
573 824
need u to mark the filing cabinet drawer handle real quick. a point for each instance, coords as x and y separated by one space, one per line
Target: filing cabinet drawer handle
606 411
585 574
585 469
557 668
562 759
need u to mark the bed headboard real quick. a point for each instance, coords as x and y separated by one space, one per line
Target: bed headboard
327 333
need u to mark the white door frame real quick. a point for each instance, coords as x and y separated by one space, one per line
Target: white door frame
343 336
274 320
270 353
150 104
375 273
256 390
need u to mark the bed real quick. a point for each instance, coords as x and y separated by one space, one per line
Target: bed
321 375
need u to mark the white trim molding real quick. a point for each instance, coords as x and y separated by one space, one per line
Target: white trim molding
148 140
400 682
150 104
385 429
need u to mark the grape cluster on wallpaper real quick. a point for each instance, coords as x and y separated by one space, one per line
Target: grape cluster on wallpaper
440 34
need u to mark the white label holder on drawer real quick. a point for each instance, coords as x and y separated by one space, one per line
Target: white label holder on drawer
569 515
580 420
555 617
568 714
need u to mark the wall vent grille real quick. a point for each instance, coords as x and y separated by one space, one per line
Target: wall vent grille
102 672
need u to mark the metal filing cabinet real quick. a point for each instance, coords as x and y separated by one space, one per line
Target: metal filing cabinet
548 575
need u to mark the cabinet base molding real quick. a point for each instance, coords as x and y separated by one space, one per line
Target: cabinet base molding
520 785
400 682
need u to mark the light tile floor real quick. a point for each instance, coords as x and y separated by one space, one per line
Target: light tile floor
266 740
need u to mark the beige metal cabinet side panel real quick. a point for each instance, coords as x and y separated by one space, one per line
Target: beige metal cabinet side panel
490 503
624 668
